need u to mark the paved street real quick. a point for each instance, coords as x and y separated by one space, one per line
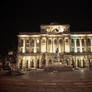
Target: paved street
39 81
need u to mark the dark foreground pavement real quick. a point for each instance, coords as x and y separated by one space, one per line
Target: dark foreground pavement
39 81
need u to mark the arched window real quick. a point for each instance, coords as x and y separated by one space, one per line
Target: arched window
32 64
43 41
88 42
20 42
38 63
43 63
49 41
27 64
27 43
32 45
21 64
43 45
66 40
83 42
60 41
31 42
50 62
78 43
72 42
55 41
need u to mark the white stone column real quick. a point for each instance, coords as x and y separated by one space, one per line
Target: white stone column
85 47
58 45
40 44
40 64
18 63
75 46
52 44
81 62
23 63
28 64
47 63
63 45
35 49
24 44
80 45
35 63
76 62
31 63
91 45
46 44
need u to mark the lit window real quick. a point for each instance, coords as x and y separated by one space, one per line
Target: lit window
82 42
55 41
72 42
49 41
20 42
32 42
78 43
67 40
60 41
88 42
27 43
72 49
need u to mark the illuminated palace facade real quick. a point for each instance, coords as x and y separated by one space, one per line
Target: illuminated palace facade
55 43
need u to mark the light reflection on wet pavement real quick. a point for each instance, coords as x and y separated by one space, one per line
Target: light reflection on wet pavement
39 81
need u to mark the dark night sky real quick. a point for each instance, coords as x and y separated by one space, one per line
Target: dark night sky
18 17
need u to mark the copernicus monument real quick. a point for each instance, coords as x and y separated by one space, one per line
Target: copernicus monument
53 44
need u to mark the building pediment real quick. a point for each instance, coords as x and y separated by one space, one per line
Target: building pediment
55 28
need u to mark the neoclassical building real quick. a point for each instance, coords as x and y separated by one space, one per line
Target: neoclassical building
55 43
